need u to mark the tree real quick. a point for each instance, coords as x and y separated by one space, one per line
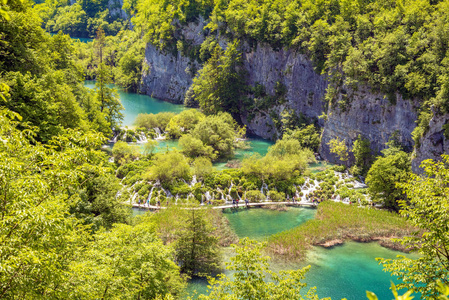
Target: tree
253 280
383 177
308 136
219 86
202 166
107 98
339 148
38 185
193 147
219 132
169 166
149 147
426 208
124 153
127 262
196 247
362 155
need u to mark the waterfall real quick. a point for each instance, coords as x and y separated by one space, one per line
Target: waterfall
151 193
264 186
190 195
222 194
167 193
114 139
208 196
134 197
194 181
159 135
296 192
141 138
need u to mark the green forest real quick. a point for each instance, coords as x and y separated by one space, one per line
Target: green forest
67 230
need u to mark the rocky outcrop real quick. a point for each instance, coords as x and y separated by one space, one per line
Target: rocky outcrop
434 142
115 9
305 89
364 112
166 75
373 117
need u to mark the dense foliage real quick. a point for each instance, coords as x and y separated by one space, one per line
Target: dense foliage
426 208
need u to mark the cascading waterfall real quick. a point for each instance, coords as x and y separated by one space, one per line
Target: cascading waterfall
194 181
134 197
150 194
141 138
167 193
207 196
264 186
159 135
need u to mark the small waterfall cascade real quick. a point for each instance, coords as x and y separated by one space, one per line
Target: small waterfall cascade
208 196
264 187
114 139
194 181
230 188
222 194
176 198
159 135
167 193
190 196
141 138
150 194
134 197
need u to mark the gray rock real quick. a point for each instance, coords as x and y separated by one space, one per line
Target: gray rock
434 142
373 117
368 113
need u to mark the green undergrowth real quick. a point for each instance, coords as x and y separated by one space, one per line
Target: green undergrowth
336 222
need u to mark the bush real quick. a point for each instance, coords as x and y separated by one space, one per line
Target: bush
255 196
276 196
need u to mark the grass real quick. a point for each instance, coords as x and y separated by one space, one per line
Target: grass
337 222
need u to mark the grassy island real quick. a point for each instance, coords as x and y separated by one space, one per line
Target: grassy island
336 222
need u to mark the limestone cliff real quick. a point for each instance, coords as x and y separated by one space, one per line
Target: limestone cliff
434 143
169 75
373 117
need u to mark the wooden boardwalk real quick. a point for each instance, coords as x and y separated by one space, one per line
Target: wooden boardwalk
240 205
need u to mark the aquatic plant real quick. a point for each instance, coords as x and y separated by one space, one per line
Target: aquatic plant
337 222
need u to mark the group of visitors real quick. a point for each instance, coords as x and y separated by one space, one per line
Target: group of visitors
235 202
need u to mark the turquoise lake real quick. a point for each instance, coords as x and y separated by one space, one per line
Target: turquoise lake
345 271
135 104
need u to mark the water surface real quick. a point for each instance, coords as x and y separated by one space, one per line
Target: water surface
135 104
260 223
345 271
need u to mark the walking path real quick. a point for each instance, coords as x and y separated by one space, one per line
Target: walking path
155 207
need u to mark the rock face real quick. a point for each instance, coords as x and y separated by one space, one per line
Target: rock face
305 89
166 75
115 9
434 143
373 117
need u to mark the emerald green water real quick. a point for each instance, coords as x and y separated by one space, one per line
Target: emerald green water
345 271
259 223
135 104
